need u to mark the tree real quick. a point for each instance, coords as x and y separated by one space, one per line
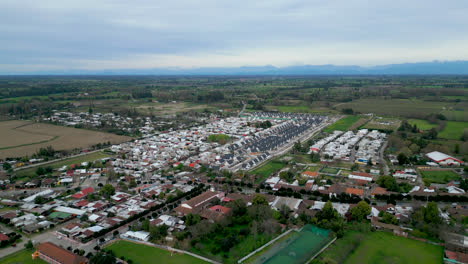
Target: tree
259 199
360 211
389 218
102 258
40 171
132 183
39 200
402 159
6 166
107 190
314 157
192 219
388 182
29 245
157 232
464 183
431 213
327 212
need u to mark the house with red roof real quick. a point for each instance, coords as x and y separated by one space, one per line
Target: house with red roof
4 237
83 193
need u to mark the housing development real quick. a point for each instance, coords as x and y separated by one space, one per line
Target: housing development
241 169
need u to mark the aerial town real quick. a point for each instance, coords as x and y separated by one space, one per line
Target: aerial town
160 187
233 132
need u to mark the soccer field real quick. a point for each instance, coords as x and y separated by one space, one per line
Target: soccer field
383 248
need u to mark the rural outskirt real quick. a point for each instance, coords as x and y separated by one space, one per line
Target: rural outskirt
134 169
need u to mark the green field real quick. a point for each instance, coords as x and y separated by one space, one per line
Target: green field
383 247
21 257
453 130
439 176
342 124
421 124
396 107
267 169
142 254
66 162
329 170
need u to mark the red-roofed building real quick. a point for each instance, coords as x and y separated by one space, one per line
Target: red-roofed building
4 237
83 193
222 209
309 174
81 203
53 254
354 191
379 191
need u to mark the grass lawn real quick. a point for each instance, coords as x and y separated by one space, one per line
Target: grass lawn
246 245
383 247
342 124
453 130
23 257
329 170
439 176
58 164
267 169
142 254
421 124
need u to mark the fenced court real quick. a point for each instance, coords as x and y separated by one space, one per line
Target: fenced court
298 247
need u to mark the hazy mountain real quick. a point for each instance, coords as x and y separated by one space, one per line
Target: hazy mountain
435 67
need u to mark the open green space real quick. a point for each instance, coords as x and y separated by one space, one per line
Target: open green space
453 130
383 247
329 170
342 124
421 124
143 254
267 169
66 162
246 245
21 257
434 176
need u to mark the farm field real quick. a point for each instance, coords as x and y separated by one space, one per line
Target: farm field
396 107
66 162
23 257
439 176
267 169
383 247
13 136
170 108
22 138
453 130
456 115
143 254
421 124
342 124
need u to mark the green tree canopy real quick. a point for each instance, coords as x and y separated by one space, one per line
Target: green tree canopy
360 211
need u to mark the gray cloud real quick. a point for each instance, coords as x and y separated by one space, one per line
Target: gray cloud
116 33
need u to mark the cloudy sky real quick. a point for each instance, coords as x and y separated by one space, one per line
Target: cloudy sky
138 34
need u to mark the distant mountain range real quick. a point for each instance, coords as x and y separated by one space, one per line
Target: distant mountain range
435 67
